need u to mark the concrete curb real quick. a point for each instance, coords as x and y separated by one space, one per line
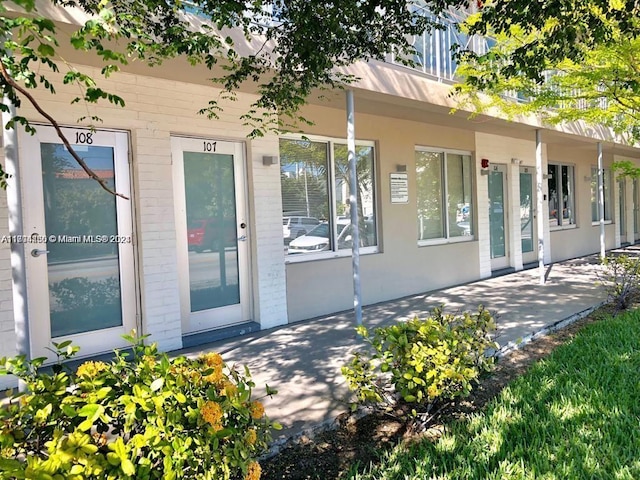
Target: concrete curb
546 330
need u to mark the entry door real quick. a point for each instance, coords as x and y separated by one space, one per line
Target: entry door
79 258
636 209
622 199
211 226
498 216
528 236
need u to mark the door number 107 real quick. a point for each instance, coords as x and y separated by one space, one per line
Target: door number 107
210 146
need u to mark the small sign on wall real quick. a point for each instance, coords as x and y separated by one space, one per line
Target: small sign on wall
399 187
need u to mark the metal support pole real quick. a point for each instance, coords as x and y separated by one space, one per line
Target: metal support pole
353 207
14 205
601 200
540 205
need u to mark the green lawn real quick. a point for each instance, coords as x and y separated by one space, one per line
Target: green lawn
574 415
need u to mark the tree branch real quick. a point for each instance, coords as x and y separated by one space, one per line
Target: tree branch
61 135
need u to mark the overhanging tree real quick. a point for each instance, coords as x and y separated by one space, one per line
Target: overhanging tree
563 60
295 45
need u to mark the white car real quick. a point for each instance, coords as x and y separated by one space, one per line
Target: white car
317 240
294 227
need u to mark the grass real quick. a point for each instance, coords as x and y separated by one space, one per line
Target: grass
573 415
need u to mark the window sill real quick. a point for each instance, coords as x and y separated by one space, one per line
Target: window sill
560 228
445 241
597 224
309 257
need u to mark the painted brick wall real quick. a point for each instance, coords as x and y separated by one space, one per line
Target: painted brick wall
270 278
501 150
7 324
156 109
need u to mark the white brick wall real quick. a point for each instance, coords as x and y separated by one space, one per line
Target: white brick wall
8 337
269 278
155 110
501 150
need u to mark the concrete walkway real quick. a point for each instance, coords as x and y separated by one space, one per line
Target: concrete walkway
302 360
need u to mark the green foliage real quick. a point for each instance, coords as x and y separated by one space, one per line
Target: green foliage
620 276
144 418
563 61
424 360
573 415
280 50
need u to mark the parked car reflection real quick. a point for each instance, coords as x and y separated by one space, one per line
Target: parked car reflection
208 234
317 240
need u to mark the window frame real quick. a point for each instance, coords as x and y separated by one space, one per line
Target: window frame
331 187
447 239
607 185
560 225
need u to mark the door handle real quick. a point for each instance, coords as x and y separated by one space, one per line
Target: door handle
36 253
243 238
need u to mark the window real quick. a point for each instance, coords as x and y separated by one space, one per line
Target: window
314 175
595 216
444 195
561 195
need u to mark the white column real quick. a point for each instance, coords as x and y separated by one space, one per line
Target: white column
540 206
353 207
601 200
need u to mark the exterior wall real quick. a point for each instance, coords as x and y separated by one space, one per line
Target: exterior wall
155 110
8 338
584 237
631 207
512 153
402 267
285 290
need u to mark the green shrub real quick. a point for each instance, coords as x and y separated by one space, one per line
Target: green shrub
144 418
438 357
620 276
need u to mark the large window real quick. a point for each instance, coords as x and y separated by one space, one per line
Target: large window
444 195
314 174
561 195
595 216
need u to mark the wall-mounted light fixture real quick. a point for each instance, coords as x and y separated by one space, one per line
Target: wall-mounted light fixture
516 161
401 168
269 160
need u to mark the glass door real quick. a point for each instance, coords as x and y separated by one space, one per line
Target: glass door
528 237
622 219
636 209
212 233
79 257
498 217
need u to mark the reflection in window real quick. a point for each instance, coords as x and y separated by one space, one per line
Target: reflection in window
595 216
315 215
366 210
209 187
444 178
561 195
83 274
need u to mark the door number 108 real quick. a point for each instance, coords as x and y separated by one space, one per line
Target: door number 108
84 138
210 146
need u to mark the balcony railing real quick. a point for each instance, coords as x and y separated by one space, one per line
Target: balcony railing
434 48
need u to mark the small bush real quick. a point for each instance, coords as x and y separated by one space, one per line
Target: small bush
620 276
438 357
151 417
